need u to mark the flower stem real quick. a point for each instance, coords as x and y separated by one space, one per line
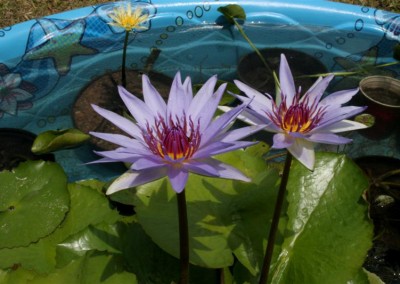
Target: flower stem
123 71
183 238
275 220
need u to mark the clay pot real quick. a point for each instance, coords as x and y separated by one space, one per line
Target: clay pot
382 96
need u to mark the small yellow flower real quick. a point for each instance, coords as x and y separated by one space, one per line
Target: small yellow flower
125 18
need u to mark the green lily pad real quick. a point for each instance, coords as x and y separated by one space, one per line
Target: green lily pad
328 231
87 207
33 202
232 11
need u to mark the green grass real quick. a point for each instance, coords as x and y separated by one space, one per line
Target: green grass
15 11
389 5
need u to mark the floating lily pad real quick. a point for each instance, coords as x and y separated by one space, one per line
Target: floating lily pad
33 202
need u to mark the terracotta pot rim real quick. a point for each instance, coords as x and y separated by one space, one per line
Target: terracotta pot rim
384 82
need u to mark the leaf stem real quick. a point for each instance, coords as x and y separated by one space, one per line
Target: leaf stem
240 29
275 220
388 174
123 71
183 238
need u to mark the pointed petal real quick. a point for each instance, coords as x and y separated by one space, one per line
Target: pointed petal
205 152
344 125
119 155
132 178
103 160
120 140
316 91
240 133
247 116
121 122
303 151
153 98
214 168
219 148
178 177
205 114
339 98
202 97
337 115
220 123
147 162
282 141
254 94
286 79
328 138
180 97
138 109
260 108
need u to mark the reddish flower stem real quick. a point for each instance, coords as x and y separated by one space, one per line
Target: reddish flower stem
275 220
123 71
183 238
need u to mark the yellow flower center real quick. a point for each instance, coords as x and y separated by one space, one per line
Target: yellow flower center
123 17
301 116
297 119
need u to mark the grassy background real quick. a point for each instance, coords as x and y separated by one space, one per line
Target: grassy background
15 11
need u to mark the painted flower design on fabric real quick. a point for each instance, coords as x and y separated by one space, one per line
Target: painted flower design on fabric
12 96
301 121
128 19
174 138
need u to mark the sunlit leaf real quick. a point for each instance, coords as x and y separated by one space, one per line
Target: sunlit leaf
328 232
33 202
53 140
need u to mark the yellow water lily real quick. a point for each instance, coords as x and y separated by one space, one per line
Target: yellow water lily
125 17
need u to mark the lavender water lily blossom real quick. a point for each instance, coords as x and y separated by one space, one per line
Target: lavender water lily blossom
301 121
174 138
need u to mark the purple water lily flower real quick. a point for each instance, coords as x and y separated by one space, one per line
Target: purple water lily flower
174 138
301 121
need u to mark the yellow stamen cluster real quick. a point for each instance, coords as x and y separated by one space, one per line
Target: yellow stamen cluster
300 116
125 18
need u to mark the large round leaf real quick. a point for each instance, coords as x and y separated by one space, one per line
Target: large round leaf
329 233
88 206
225 217
33 201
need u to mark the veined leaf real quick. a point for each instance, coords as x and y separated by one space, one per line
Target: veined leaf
328 232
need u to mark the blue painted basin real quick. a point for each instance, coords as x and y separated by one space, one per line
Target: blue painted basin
46 62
